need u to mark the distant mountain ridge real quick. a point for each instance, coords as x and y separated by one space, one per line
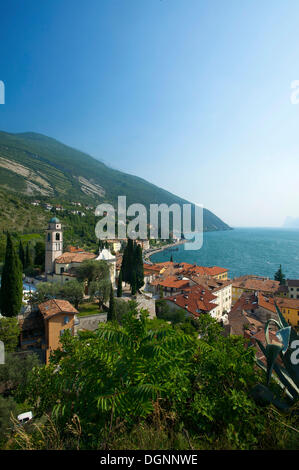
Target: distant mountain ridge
291 222
39 166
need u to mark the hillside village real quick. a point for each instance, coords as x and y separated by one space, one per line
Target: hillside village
242 305
86 296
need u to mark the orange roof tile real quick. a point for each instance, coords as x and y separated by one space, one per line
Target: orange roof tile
56 306
197 299
285 302
69 257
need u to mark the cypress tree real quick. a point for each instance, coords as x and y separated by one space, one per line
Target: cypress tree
28 257
279 276
22 254
119 285
128 262
133 283
124 264
138 265
11 292
171 259
111 312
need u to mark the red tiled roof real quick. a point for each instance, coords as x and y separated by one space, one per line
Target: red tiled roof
56 306
74 249
266 302
285 302
172 282
69 257
197 299
256 283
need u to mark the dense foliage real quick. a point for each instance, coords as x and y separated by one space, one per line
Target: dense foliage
9 333
72 291
143 375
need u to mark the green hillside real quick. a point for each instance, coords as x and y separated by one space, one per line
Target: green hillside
36 166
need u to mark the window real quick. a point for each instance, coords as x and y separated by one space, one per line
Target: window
61 270
61 332
58 236
66 320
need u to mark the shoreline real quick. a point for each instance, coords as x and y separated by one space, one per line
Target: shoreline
148 254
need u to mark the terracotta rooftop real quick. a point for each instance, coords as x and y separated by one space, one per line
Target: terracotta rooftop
247 301
210 282
56 306
266 302
256 283
197 300
172 282
202 270
69 257
284 302
74 249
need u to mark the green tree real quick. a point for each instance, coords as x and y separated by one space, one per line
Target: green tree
119 285
138 266
15 372
91 270
133 284
28 257
72 291
11 292
111 315
39 255
22 254
45 291
100 289
279 276
125 267
9 333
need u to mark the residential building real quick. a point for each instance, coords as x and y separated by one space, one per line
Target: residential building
289 308
292 286
256 305
175 278
251 284
195 301
170 285
42 328
222 289
115 244
58 317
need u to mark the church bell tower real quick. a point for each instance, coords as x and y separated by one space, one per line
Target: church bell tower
54 244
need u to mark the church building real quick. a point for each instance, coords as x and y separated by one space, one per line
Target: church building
60 266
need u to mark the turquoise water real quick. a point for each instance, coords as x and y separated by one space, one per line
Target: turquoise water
257 251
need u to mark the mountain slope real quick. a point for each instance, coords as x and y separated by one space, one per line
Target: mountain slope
38 166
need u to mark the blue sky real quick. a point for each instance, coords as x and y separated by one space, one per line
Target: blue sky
192 95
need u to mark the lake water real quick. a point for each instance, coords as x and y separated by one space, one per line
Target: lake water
242 251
